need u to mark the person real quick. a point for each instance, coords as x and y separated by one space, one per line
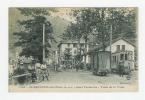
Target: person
43 66
64 67
45 75
45 71
77 67
38 72
70 66
121 69
31 70
37 65
55 67
30 66
34 77
60 67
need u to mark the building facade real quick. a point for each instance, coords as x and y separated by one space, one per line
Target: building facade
68 50
121 51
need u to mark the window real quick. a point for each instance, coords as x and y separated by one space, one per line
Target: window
82 51
75 51
82 45
126 57
68 45
118 47
121 56
113 58
74 45
129 56
117 58
123 47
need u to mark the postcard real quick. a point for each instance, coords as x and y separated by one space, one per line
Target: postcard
73 49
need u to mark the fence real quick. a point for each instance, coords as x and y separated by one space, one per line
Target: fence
14 79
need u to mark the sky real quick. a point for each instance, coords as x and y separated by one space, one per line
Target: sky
63 13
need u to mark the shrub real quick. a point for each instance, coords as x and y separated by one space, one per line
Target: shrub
20 71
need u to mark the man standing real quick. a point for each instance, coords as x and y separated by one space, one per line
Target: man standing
38 72
45 71
121 69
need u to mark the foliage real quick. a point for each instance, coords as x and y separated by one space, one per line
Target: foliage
19 71
67 54
72 32
36 11
31 38
99 20
123 22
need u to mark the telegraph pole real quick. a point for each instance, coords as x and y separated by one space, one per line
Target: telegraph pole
43 42
93 49
110 43
110 37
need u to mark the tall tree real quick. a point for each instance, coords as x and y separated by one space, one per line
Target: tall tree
68 55
86 18
122 20
30 39
99 20
73 32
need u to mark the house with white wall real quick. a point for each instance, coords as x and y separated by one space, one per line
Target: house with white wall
74 49
121 51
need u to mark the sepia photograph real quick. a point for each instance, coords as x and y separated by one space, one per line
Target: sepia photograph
88 49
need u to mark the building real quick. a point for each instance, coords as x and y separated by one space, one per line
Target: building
68 50
121 51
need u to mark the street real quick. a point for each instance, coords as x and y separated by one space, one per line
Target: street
85 77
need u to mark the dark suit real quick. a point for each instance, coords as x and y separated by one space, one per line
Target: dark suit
121 70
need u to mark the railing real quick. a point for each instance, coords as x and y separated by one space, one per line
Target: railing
13 79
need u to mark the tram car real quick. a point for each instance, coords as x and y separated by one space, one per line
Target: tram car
100 63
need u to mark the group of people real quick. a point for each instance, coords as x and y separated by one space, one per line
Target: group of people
78 66
33 72
124 70
39 72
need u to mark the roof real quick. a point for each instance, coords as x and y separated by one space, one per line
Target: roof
113 41
70 42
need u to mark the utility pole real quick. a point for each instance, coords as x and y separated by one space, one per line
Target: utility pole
43 42
110 37
93 51
110 43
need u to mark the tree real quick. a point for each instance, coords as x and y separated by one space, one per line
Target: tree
99 20
87 19
30 39
67 55
74 32
123 22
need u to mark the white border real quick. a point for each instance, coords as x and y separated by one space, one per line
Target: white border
5 4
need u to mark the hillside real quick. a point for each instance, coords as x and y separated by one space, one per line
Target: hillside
59 25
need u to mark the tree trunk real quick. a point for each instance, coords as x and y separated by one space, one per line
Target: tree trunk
103 42
85 52
80 52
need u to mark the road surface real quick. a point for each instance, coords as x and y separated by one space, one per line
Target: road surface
86 77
